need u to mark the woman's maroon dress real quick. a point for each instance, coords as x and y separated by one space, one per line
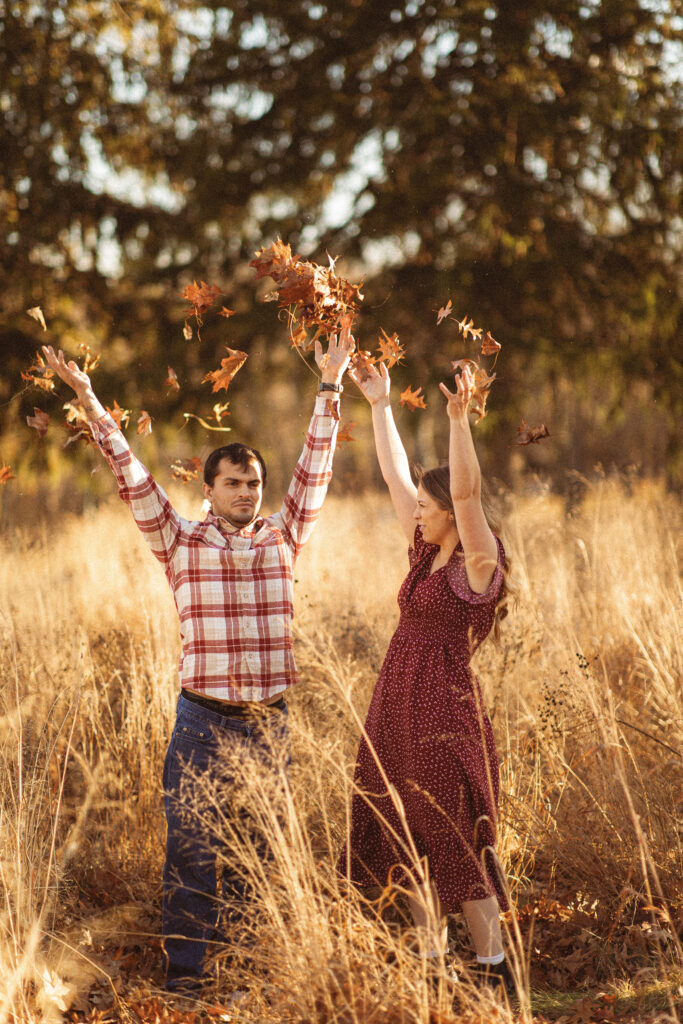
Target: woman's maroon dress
434 741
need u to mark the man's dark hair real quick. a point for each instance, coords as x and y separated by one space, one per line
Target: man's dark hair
239 454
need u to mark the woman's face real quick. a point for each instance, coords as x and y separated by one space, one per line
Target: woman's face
437 524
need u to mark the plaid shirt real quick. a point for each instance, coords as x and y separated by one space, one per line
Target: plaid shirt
233 590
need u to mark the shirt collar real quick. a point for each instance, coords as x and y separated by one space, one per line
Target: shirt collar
225 527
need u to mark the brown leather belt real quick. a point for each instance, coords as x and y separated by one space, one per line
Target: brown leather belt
233 710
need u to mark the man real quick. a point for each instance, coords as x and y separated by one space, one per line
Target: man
232 578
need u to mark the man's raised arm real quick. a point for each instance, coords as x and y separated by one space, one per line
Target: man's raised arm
152 511
313 472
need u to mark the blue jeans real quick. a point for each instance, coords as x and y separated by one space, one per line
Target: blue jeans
197 911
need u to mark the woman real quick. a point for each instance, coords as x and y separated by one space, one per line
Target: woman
425 808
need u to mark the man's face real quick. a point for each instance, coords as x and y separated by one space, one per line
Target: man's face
236 493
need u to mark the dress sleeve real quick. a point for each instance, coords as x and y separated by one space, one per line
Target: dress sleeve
418 547
459 584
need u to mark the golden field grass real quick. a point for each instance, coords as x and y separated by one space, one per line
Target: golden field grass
585 693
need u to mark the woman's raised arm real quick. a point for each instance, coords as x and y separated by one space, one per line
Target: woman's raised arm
391 454
478 543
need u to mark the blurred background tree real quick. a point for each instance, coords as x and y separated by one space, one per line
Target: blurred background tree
523 161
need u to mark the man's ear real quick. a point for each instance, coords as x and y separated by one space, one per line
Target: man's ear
207 491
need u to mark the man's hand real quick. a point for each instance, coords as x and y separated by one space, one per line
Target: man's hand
334 362
72 375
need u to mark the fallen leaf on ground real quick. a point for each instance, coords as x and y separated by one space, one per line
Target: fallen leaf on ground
39 421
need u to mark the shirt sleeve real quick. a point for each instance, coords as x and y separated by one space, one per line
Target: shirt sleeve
154 515
313 472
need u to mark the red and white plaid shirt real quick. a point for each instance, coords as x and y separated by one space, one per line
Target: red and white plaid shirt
233 590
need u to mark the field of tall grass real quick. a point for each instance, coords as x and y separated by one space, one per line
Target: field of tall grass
584 690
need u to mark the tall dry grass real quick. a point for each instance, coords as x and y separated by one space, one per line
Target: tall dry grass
584 691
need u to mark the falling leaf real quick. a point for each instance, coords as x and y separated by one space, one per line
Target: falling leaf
75 413
172 380
529 435
391 351
207 426
187 331
120 416
482 385
467 327
201 297
413 399
227 313
78 433
299 337
444 312
489 346
6 474
361 361
144 424
321 297
186 469
90 362
39 421
37 314
344 432
220 410
40 375
221 377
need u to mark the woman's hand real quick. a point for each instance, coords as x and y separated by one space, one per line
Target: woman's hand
334 362
70 372
374 386
458 403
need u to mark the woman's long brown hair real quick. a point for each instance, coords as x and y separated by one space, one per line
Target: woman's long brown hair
437 483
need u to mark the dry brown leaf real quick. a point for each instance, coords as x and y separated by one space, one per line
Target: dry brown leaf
172 380
227 313
489 346
413 399
467 327
187 331
75 413
223 375
444 312
390 349
37 314
186 469
90 362
529 435
201 297
361 361
40 375
120 416
39 421
344 432
6 474
144 424
482 385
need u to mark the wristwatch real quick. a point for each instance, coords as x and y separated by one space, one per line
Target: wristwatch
323 386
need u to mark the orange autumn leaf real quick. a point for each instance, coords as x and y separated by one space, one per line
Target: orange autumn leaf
444 312
227 313
144 424
413 399
489 345
321 298
90 362
39 374
530 435
298 336
6 474
75 414
361 361
467 327
172 380
390 349
39 421
344 432
36 313
482 385
120 416
223 375
77 432
187 331
201 297
186 469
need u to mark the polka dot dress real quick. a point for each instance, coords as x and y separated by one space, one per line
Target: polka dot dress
434 742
